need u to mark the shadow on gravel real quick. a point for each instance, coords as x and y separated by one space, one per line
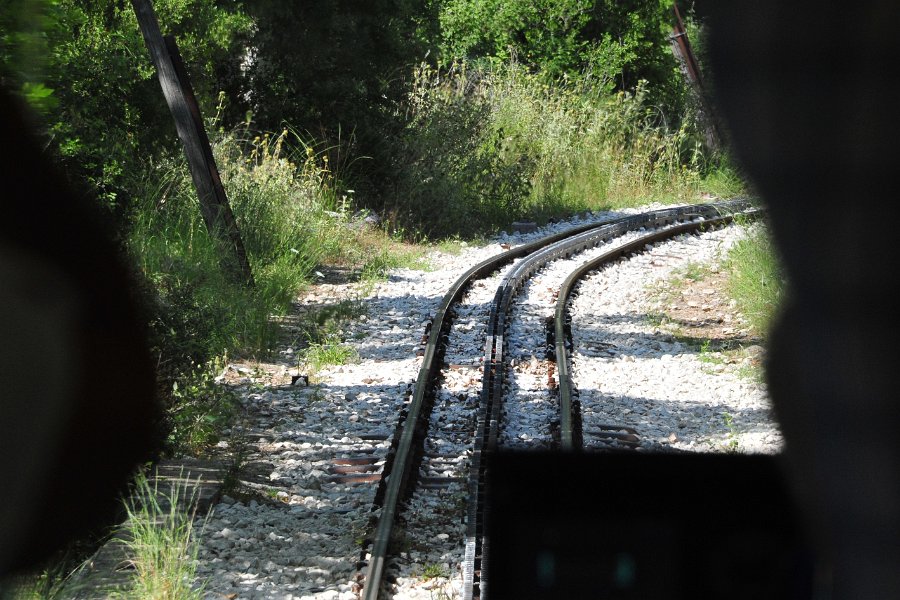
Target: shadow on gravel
598 339
707 418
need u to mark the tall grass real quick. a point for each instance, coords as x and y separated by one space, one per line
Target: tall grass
294 212
756 279
284 211
485 146
287 203
161 541
161 545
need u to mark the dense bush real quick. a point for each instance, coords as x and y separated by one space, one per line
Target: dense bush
452 168
87 69
484 146
332 68
616 44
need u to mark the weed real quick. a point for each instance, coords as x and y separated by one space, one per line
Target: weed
709 355
399 541
358 533
344 310
324 324
750 372
161 541
282 192
328 352
316 395
433 570
381 259
669 291
323 333
703 352
377 266
200 408
238 448
733 442
453 246
694 271
756 279
656 319
492 144
440 594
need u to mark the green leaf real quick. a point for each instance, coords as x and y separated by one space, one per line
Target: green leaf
39 96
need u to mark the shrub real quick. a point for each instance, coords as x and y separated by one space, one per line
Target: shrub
281 197
452 166
485 146
615 43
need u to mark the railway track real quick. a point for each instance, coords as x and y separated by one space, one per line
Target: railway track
436 461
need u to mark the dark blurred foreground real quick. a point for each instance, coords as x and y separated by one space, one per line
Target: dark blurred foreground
644 527
809 92
77 409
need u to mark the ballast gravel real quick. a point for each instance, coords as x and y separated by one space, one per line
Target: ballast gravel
294 530
674 392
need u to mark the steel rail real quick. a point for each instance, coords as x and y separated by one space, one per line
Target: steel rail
413 424
395 480
570 438
487 429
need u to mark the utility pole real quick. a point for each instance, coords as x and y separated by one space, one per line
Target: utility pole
179 94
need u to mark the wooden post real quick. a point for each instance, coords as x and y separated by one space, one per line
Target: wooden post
180 97
681 48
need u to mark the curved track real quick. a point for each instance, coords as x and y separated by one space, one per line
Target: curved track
570 434
407 448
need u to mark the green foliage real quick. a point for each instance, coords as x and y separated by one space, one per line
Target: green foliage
199 410
483 147
535 131
377 265
756 279
322 330
328 352
694 271
281 191
332 65
733 442
433 570
24 46
616 44
282 211
453 168
84 64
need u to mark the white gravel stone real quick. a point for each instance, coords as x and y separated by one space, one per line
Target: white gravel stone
299 538
627 375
